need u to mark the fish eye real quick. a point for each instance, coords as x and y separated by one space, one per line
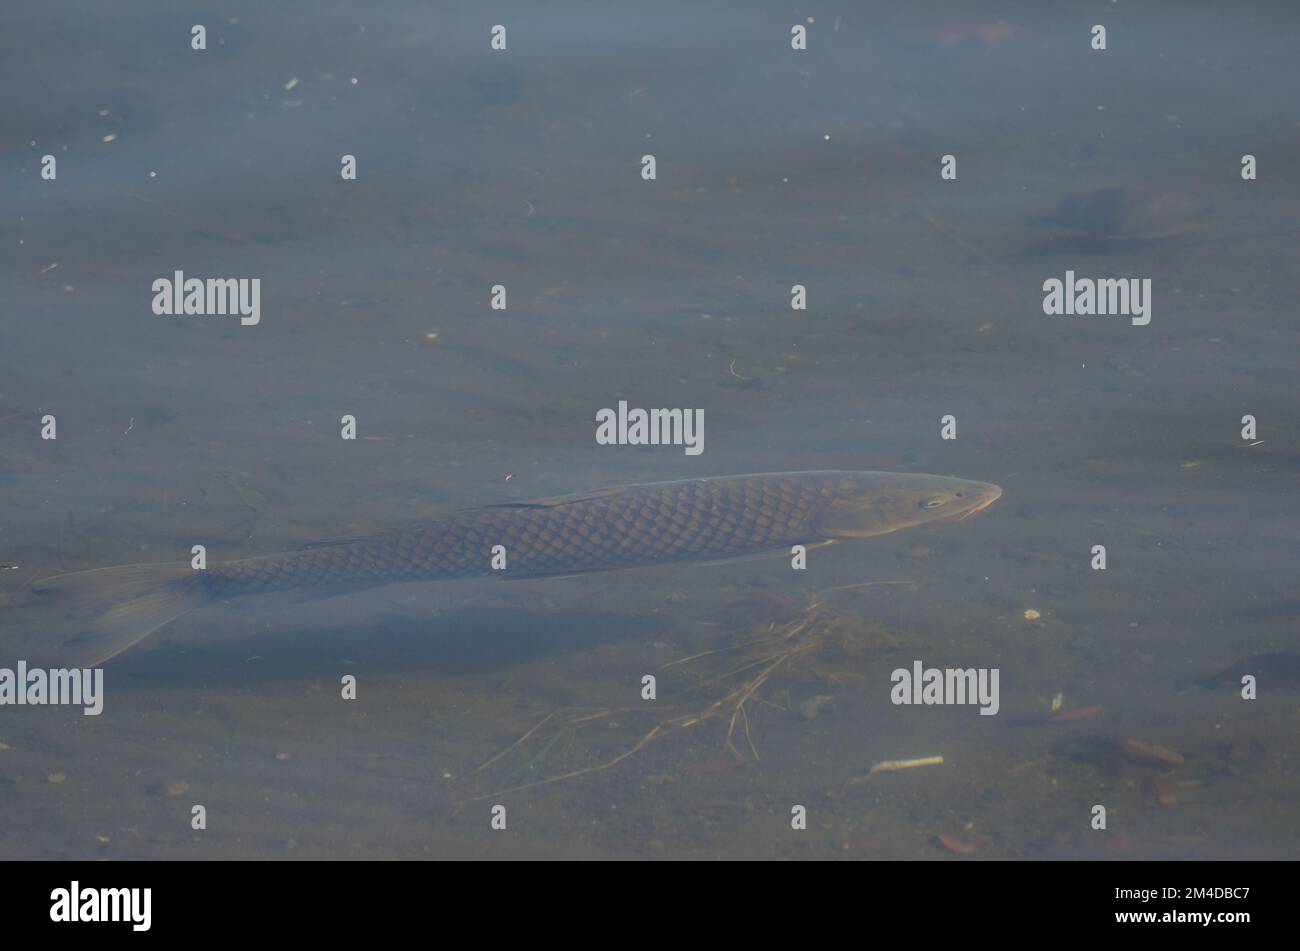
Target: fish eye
932 503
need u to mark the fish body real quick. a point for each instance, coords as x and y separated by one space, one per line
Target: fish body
692 520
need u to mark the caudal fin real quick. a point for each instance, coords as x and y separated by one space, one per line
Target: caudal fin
114 608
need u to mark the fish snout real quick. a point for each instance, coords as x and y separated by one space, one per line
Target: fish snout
981 496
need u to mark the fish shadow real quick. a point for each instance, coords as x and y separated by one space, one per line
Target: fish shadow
473 640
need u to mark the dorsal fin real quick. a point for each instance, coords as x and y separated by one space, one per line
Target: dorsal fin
558 500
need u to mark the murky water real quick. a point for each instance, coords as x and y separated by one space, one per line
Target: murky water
774 168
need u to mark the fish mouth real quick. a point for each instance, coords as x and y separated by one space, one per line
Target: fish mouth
987 496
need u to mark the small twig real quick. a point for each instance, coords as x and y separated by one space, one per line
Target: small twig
518 742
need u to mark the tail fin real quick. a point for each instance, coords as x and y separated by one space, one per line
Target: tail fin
118 607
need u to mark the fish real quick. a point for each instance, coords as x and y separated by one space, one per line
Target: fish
719 518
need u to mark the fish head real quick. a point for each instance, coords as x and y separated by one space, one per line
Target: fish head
864 504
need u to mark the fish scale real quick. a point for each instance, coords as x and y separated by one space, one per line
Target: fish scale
698 518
